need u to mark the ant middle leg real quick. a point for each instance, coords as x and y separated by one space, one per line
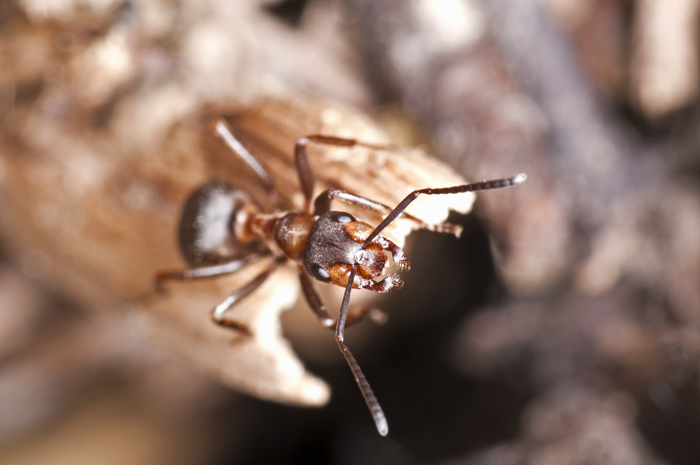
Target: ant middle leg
301 159
314 300
241 293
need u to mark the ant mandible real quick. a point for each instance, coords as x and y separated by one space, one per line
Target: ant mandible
222 230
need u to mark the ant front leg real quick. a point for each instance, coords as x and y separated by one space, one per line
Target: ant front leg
313 298
357 314
218 311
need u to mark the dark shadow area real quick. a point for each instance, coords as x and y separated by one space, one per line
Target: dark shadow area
287 11
668 419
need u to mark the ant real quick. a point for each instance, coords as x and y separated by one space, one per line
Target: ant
222 230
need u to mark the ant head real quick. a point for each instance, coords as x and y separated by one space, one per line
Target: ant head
337 245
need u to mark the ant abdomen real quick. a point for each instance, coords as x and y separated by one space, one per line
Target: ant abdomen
208 226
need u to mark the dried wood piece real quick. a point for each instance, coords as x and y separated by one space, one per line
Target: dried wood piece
103 215
105 133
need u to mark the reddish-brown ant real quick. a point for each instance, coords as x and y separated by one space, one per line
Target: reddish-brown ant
222 230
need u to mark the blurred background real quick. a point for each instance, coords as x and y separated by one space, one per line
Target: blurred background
563 327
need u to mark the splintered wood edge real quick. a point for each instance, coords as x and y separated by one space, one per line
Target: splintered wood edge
263 365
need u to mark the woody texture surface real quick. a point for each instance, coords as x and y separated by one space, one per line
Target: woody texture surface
562 327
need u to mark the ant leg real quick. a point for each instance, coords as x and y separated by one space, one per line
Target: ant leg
322 205
220 127
476 186
301 159
210 271
371 400
314 300
218 311
357 314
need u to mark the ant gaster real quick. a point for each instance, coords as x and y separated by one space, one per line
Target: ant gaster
222 230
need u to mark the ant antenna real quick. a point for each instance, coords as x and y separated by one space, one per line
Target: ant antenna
371 400
475 186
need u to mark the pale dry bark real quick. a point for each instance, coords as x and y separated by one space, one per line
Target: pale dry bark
665 65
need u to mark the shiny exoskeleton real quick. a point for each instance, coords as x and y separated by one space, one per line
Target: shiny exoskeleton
222 230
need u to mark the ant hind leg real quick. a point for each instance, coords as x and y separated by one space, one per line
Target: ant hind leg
313 298
209 271
221 129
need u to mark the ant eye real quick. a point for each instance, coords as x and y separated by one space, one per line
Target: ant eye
344 218
320 274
